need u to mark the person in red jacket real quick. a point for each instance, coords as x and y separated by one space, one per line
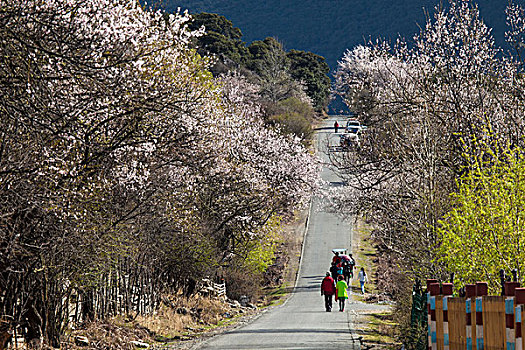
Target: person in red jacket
328 290
336 259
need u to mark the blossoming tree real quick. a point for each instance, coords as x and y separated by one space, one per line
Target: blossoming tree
125 168
424 102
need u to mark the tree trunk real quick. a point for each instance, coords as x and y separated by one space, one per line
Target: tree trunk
34 326
88 311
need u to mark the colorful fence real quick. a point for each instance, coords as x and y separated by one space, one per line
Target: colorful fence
476 321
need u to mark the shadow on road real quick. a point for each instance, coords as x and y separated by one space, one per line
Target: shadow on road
325 128
316 277
299 289
286 330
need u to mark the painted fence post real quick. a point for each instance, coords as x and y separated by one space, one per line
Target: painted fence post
517 325
446 290
509 323
429 321
519 294
470 290
509 314
434 291
482 289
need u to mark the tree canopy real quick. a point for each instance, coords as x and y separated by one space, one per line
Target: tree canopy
311 69
221 38
483 232
263 58
125 166
425 102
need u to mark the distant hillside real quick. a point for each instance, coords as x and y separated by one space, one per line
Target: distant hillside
329 27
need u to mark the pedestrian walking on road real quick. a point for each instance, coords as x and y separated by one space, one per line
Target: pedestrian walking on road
336 258
362 279
336 126
333 270
347 272
341 293
352 264
340 270
328 290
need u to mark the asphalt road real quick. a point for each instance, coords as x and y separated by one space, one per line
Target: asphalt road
301 322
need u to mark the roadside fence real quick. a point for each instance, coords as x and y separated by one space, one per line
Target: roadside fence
220 289
476 320
209 287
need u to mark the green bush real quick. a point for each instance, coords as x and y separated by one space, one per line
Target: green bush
292 116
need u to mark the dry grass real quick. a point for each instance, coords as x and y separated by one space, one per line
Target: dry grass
184 316
293 235
108 336
178 318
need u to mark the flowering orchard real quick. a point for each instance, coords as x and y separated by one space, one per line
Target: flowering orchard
426 102
125 167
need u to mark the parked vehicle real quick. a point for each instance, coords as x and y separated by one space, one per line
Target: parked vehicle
341 251
350 138
354 126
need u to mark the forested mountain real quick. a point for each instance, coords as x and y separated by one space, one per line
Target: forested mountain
329 27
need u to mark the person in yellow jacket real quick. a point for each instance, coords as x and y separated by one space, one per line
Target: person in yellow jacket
341 294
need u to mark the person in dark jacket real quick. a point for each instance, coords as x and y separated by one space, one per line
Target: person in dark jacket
328 290
347 272
352 265
334 269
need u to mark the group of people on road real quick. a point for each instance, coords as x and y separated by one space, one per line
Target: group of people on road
339 289
342 265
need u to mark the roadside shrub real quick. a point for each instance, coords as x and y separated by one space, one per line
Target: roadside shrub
293 116
293 123
243 281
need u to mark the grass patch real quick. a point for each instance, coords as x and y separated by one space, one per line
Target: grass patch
278 292
377 328
380 331
365 254
274 296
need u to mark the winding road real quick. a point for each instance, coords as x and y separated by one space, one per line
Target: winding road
301 322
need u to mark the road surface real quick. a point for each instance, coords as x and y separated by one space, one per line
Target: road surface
302 322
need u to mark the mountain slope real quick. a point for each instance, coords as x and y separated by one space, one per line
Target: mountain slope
329 27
